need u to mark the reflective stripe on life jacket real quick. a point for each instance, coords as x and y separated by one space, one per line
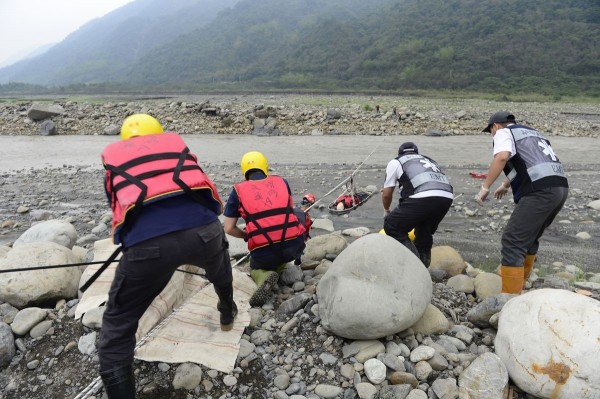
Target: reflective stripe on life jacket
535 165
421 173
149 168
268 209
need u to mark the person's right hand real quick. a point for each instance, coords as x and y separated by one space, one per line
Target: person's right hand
500 192
482 195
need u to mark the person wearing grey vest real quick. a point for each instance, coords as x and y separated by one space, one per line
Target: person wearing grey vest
425 197
539 186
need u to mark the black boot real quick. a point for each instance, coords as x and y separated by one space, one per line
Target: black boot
425 258
409 244
226 306
119 383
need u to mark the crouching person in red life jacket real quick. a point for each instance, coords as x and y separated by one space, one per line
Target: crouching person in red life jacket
425 198
273 232
303 216
165 212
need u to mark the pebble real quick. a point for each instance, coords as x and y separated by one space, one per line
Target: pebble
32 365
230 380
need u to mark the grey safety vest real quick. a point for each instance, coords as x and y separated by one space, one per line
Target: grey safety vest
535 165
421 173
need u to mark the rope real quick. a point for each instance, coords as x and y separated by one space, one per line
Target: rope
343 181
26 269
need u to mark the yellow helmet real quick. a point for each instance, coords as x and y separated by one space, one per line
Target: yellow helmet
254 160
411 234
140 125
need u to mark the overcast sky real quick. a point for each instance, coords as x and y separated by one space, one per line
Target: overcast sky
27 25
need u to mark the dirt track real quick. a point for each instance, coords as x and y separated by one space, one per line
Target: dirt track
19 152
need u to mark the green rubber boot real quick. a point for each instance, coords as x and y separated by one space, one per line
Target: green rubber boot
266 281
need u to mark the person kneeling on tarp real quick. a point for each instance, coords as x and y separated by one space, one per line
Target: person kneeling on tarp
274 234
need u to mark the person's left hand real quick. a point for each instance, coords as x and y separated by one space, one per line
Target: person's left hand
500 192
482 195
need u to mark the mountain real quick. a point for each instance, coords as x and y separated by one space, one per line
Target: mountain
547 47
26 54
105 48
391 45
249 41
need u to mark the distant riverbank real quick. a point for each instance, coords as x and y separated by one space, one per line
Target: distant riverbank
305 115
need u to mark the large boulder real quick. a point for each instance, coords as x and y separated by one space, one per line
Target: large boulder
27 288
485 378
38 112
433 321
7 345
58 231
549 340
481 313
319 247
238 248
374 288
3 251
447 259
487 285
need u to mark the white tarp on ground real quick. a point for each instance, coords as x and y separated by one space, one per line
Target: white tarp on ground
192 332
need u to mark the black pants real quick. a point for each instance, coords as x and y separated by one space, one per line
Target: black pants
422 214
271 256
143 272
532 215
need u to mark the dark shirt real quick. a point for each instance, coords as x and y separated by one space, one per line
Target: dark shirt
179 212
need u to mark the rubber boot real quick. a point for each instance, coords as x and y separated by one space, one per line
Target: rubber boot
226 306
425 258
409 244
512 279
266 281
527 267
119 383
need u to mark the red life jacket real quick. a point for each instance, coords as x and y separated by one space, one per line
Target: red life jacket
144 169
309 223
268 209
348 200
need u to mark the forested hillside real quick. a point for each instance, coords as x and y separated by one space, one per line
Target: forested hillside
552 45
547 47
104 49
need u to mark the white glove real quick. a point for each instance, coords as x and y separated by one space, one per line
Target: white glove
386 212
500 192
482 195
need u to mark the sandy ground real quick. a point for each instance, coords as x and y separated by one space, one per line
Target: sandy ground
23 152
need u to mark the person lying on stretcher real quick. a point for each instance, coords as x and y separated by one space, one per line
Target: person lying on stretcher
346 201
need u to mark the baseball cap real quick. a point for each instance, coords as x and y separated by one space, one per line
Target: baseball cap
408 147
499 117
